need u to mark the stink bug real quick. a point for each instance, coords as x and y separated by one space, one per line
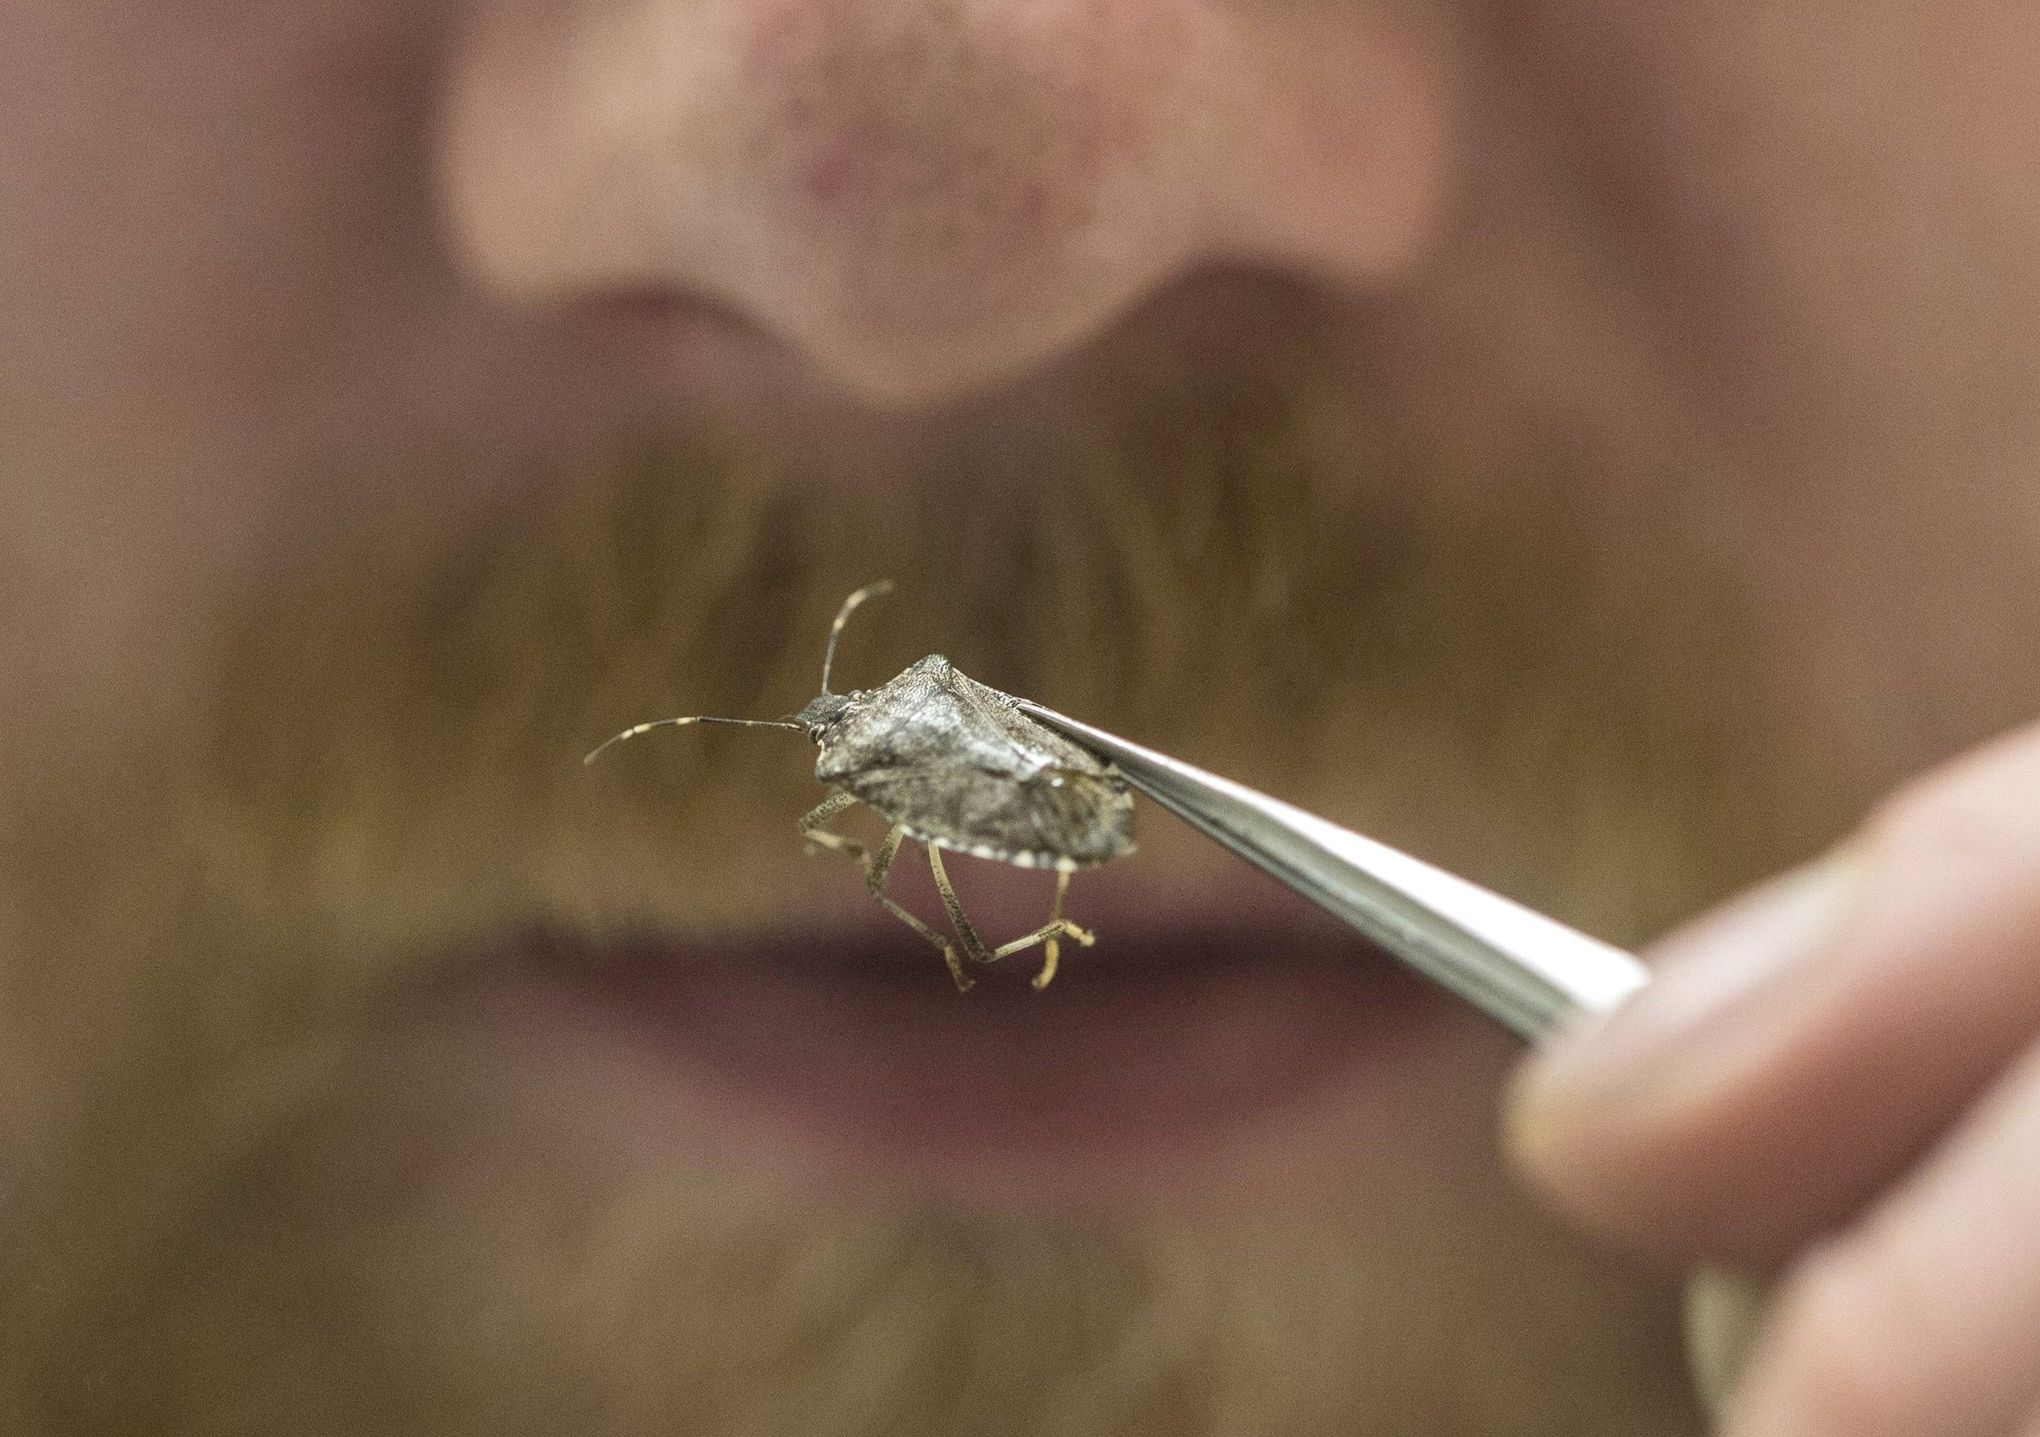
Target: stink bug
956 764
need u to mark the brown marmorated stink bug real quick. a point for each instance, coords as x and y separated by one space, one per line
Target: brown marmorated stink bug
957 765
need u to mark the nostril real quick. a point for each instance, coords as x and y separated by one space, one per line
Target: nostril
662 312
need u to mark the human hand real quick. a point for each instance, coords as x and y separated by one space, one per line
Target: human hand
1838 1079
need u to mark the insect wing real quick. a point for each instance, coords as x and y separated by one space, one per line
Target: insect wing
1039 822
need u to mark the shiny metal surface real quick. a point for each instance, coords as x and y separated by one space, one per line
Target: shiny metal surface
1529 972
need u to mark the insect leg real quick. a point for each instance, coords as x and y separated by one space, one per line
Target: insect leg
964 981
1049 935
880 863
812 831
876 866
972 944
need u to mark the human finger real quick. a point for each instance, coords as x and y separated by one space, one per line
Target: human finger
1800 1048
1922 1320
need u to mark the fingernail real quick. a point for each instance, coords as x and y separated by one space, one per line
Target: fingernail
1713 986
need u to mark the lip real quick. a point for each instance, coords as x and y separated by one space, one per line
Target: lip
1171 1053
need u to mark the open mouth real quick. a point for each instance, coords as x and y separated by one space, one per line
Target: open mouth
1197 1026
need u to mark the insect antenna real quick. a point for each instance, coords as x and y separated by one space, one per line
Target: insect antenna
869 591
637 729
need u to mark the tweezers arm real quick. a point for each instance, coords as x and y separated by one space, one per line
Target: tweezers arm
1527 971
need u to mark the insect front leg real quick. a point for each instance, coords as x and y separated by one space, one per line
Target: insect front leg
874 876
876 866
813 832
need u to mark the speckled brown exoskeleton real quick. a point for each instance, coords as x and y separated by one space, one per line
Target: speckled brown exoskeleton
955 764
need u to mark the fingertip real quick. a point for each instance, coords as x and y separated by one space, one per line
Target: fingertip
1719 988
1799 1048
1632 1121
1578 1157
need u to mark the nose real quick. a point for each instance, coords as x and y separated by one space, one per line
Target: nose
924 196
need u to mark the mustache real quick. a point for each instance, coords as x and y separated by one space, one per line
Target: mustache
1177 580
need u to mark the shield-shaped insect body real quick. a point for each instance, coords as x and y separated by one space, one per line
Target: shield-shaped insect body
956 764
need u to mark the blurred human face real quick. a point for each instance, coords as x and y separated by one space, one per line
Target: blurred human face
1584 447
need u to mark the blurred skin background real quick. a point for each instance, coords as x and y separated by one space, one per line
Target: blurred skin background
1588 445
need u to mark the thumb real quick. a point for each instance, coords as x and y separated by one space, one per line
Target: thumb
1800 1047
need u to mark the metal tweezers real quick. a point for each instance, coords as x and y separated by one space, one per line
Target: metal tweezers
1529 972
